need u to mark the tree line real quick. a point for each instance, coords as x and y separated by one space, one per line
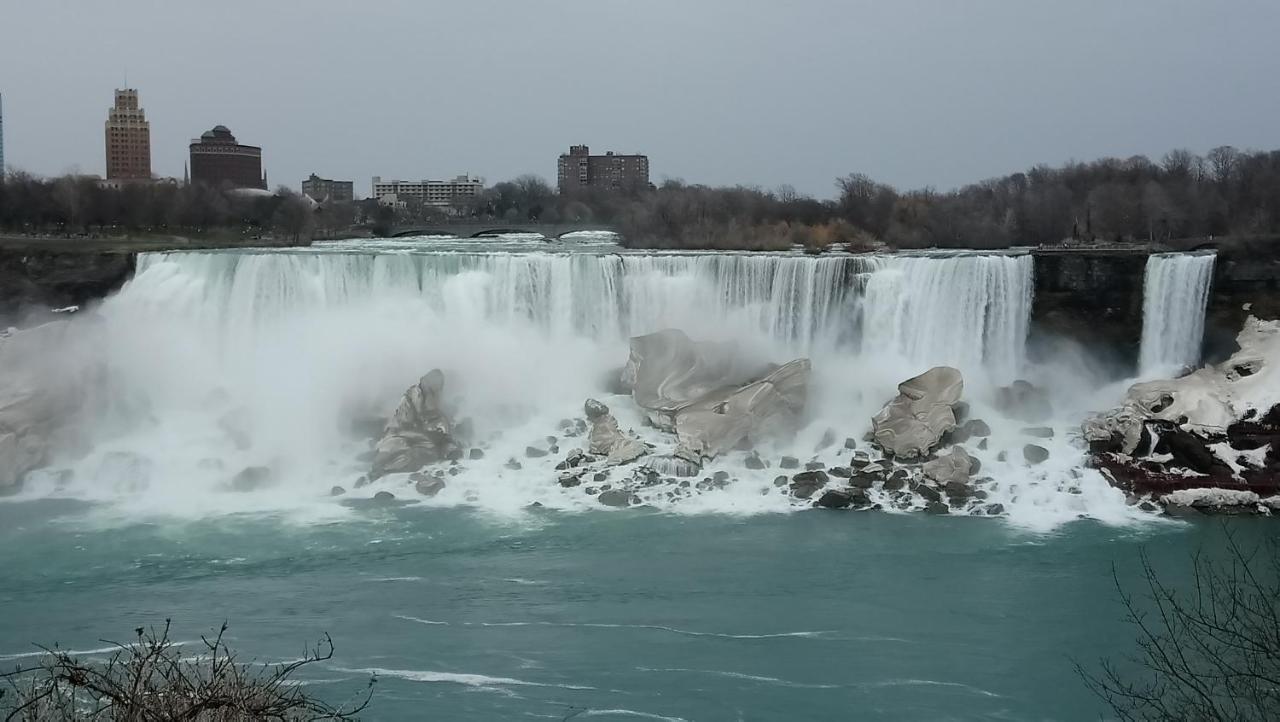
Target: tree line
1133 200
77 206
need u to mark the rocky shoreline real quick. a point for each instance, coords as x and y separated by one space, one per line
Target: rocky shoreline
1209 440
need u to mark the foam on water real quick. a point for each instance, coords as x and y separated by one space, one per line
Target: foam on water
1175 294
218 361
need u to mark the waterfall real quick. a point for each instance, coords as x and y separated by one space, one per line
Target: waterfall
967 310
213 362
970 311
1175 293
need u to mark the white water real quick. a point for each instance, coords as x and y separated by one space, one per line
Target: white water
1175 293
220 360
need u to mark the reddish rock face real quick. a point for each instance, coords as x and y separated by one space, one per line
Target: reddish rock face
1144 475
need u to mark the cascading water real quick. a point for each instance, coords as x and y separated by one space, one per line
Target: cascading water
1175 294
222 361
969 311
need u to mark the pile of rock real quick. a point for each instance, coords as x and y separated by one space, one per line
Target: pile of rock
420 432
1216 428
705 394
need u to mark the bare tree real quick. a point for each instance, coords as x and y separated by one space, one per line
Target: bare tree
152 679
1209 652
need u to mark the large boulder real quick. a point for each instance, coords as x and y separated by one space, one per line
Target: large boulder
667 371
913 423
718 421
420 432
955 467
1211 428
607 440
710 395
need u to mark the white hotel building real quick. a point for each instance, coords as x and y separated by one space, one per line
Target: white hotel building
430 192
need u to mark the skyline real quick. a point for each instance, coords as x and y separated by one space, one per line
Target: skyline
929 95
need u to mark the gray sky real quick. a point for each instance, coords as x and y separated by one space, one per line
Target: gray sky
715 91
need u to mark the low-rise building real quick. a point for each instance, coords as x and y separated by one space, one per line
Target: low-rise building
429 192
321 189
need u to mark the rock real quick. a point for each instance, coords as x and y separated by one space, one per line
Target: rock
1002 457
708 395
975 465
913 423
534 452
834 499
674 466
337 491
993 509
957 490
804 484
252 478
982 445
513 465
814 466
768 407
600 476
362 482
780 481
605 439
1035 454
1039 432
618 498
429 487
860 459
842 472
574 459
1023 401
936 507
867 476
956 466
384 497
1212 501
754 462
897 480
788 462
419 432
476 453
850 443
961 410
1188 450
594 409
720 477
929 493
569 480
454 455
976 428
668 371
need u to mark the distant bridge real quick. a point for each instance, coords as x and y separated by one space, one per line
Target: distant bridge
476 229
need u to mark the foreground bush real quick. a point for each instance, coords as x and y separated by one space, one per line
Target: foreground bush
1208 652
152 679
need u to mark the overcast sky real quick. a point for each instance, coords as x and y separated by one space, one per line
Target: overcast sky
715 91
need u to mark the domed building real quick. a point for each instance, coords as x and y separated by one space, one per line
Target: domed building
218 160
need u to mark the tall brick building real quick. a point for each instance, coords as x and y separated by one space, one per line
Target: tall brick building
128 139
217 159
611 171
